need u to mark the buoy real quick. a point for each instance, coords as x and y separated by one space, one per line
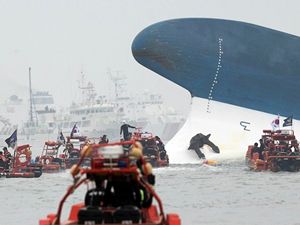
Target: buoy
210 162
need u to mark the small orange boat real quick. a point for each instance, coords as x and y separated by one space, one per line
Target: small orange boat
21 166
50 158
280 152
120 190
153 148
73 148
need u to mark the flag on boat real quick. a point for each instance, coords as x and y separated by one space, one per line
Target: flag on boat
12 140
275 124
288 121
75 131
61 139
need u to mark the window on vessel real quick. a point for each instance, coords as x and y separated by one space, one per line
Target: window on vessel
86 123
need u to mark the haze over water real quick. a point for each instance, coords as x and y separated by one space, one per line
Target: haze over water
228 194
58 39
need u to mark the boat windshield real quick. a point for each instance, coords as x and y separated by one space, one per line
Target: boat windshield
111 151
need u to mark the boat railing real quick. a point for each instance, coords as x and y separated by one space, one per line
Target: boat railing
78 172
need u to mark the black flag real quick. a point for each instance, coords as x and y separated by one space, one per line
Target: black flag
75 130
288 121
61 139
12 140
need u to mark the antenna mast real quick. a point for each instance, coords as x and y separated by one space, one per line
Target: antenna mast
118 80
30 98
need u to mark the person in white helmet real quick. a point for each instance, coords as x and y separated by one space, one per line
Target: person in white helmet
124 130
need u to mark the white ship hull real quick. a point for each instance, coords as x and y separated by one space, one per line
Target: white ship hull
223 122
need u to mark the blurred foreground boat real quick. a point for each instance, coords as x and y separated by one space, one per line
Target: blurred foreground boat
121 190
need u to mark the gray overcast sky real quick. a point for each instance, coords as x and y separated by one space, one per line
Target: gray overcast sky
60 38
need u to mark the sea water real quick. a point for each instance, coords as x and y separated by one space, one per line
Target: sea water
226 194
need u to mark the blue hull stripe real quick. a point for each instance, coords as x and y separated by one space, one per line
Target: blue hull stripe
227 61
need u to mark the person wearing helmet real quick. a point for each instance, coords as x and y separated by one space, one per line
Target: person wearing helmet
103 139
124 130
7 156
255 148
161 148
146 172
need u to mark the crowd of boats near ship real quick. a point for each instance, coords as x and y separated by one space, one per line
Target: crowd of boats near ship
94 114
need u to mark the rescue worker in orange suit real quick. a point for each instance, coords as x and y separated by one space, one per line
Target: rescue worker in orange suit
146 171
127 191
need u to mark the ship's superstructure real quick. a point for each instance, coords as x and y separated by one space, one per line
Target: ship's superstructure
100 114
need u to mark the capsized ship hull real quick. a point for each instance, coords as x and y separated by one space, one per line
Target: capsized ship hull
227 61
241 77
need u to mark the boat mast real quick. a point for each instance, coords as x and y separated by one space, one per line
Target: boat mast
118 80
88 91
30 98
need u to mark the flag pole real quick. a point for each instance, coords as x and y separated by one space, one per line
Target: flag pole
12 143
15 148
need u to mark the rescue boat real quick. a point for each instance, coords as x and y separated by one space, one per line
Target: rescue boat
21 166
120 190
72 151
280 152
153 148
50 158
